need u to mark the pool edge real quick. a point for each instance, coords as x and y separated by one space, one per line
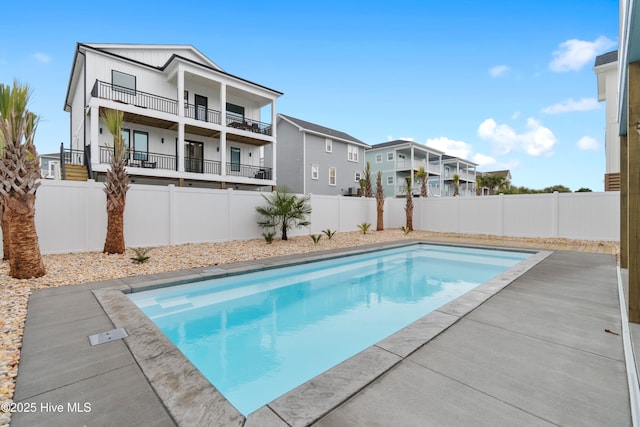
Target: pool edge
192 399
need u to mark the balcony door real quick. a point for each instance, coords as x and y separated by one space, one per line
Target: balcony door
193 156
201 107
235 159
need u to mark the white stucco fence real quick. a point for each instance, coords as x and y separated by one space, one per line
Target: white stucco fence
71 216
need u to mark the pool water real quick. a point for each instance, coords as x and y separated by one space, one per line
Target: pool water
256 336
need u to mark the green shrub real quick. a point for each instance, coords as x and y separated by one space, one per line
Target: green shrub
364 227
329 233
315 238
142 255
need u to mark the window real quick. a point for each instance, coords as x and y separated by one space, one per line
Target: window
140 145
186 99
332 176
126 138
315 172
390 156
378 158
352 153
358 177
235 113
122 82
328 145
390 180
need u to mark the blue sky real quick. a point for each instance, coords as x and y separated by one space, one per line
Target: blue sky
507 84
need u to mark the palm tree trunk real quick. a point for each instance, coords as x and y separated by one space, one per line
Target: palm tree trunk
114 242
284 230
26 261
6 242
380 218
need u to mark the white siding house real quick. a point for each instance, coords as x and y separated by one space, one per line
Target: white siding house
186 121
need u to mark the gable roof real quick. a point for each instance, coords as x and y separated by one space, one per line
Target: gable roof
322 131
405 142
193 56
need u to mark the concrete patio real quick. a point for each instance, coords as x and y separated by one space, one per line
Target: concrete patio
537 352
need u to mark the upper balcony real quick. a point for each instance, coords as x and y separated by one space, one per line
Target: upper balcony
431 168
145 100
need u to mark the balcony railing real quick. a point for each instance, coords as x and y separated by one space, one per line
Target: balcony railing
257 172
141 159
237 122
142 99
201 113
134 97
196 165
147 160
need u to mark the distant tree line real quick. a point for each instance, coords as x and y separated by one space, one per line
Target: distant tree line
499 184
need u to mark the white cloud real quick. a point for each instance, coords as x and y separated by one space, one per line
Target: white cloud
449 146
574 54
42 58
585 104
535 141
587 143
483 160
499 70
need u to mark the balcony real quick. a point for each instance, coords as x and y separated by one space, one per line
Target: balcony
134 97
150 101
405 164
148 160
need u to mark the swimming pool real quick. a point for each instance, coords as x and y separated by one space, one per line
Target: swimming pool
256 336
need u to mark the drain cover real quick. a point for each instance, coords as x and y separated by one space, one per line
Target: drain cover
112 335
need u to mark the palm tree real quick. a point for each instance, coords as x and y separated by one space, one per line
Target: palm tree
19 174
480 183
4 219
379 202
284 210
456 185
116 184
422 175
368 192
409 206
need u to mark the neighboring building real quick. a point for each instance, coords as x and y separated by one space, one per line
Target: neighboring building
400 159
606 69
186 121
315 159
50 166
466 172
504 174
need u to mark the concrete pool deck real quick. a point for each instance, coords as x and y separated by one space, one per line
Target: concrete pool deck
535 353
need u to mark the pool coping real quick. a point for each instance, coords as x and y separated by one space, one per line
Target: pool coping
192 400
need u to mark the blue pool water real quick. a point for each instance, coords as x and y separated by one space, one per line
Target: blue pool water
256 336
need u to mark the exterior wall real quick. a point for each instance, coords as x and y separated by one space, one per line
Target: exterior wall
157 56
76 125
612 130
315 153
71 216
386 166
289 158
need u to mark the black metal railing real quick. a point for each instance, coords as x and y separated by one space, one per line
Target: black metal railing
258 172
134 97
73 157
200 113
141 159
201 166
248 124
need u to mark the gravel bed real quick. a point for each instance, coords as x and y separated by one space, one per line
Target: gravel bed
76 268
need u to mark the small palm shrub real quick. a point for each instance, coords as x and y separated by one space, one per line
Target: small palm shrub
315 238
405 230
364 227
268 236
329 233
141 255
284 211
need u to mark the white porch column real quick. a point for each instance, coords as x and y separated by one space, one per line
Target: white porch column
274 145
223 153
94 134
223 134
180 158
180 85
